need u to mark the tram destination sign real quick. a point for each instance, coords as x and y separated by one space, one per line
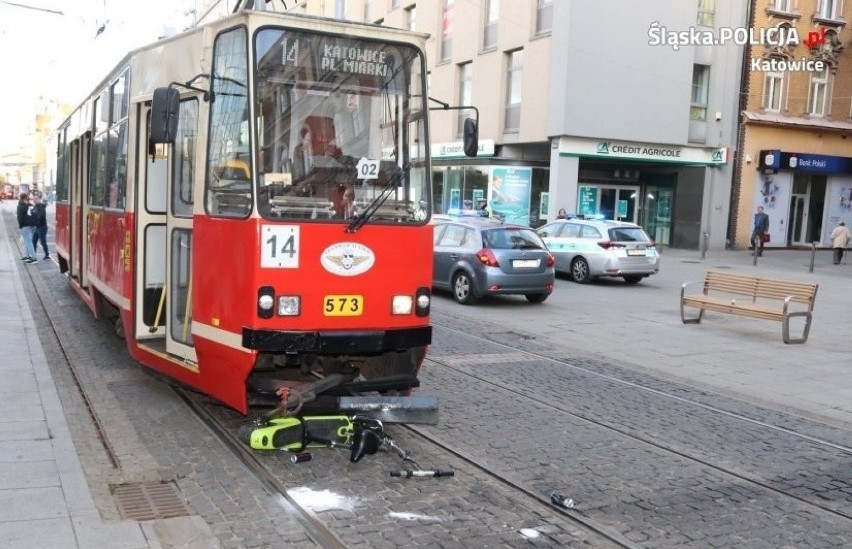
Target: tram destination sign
354 60
325 59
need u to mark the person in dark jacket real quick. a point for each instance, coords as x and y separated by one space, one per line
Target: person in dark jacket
761 227
40 232
26 224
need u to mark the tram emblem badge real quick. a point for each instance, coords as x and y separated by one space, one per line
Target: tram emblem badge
347 259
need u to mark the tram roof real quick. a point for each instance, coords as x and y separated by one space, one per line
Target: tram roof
254 19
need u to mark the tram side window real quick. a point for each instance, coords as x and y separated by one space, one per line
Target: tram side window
97 172
117 145
228 189
108 173
63 158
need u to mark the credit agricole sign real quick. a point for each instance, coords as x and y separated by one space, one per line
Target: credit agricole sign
647 152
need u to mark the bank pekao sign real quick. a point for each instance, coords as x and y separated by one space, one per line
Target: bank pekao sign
645 152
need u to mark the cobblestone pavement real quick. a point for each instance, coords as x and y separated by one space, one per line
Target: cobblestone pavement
662 470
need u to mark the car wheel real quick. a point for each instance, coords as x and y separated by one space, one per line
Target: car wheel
633 279
463 288
536 298
580 270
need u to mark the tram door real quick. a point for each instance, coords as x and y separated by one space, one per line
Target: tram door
182 164
79 213
164 238
150 247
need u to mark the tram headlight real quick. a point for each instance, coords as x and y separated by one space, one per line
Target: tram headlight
424 301
265 301
402 304
289 305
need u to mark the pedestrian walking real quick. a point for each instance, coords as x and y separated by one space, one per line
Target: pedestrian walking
839 241
760 233
40 232
26 224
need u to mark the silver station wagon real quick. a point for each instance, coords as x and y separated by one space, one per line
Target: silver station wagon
480 256
587 249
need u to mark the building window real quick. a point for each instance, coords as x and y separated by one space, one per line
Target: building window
706 8
819 93
368 10
773 84
783 5
828 9
492 13
465 93
447 30
394 4
340 9
514 77
700 90
411 17
544 16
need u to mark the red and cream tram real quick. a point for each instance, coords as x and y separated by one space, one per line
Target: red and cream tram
250 199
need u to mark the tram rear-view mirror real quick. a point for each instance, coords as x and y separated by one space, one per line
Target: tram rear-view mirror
471 137
164 115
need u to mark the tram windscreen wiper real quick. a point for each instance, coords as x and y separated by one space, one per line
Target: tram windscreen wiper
384 193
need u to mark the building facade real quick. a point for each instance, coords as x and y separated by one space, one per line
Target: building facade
643 114
796 157
587 106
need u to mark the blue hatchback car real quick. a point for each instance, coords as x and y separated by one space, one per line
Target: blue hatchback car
480 256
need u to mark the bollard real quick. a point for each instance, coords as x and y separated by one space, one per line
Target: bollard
813 256
704 246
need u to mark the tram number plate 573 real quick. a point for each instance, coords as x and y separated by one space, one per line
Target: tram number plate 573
343 305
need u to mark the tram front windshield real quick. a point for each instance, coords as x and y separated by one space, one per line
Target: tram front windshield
340 129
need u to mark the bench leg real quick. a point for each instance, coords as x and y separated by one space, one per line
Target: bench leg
694 320
785 328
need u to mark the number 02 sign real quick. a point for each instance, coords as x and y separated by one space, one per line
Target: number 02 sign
279 246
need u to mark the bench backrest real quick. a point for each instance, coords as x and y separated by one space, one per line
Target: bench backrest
759 287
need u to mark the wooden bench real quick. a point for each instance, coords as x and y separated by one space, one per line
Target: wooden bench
770 299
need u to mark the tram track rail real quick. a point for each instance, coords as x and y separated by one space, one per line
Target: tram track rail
314 527
324 536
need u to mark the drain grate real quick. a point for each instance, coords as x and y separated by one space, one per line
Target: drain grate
149 501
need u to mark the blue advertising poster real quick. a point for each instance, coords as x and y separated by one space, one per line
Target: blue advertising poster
510 194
